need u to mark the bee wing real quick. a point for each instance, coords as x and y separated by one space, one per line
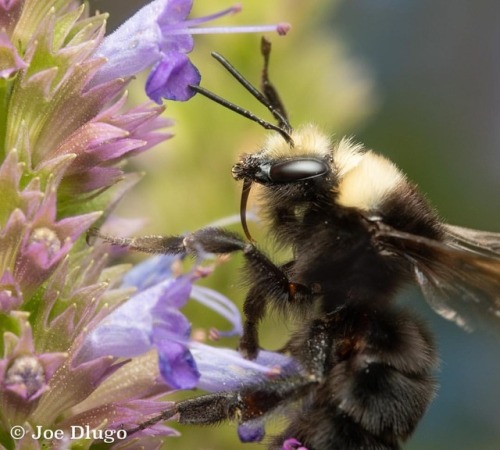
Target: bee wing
481 242
459 277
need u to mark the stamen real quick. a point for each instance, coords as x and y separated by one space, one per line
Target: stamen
196 21
281 29
190 26
222 305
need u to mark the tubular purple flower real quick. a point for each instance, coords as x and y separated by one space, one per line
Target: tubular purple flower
149 319
251 431
159 36
24 373
77 349
226 369
46 241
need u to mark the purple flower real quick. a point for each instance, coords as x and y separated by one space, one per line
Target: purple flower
45 241
151 319
24 373
76 348
160 36
251 431
225 369
99 144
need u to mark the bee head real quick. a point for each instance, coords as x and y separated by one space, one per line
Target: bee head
268 172
289 157
289 166
280 162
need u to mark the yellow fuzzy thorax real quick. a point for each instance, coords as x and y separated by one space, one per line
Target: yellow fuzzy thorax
365 179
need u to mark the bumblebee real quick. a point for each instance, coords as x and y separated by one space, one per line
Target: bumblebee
358 231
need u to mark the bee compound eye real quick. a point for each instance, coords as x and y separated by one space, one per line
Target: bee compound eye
297 170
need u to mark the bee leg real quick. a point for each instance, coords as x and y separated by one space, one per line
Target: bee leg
269 282
205 240
316 351
203 410
166 245
248 403
255 400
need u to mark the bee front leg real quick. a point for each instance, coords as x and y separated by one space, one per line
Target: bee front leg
269 282
205 240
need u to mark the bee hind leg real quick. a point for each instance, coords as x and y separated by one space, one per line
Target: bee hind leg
249 403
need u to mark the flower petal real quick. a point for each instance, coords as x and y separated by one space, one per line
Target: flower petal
225 369
173 17
150 319
149 272
251 431
127 331
177 366
133 47
176 11
171 77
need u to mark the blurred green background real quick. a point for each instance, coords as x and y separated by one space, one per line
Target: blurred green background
418 81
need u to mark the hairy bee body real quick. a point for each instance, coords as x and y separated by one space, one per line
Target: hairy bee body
374 361
375 384
358 231
331 222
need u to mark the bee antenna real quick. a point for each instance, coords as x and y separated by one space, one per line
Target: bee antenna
274 102
242 112
269 98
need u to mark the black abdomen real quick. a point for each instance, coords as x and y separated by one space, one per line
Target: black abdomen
377 382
